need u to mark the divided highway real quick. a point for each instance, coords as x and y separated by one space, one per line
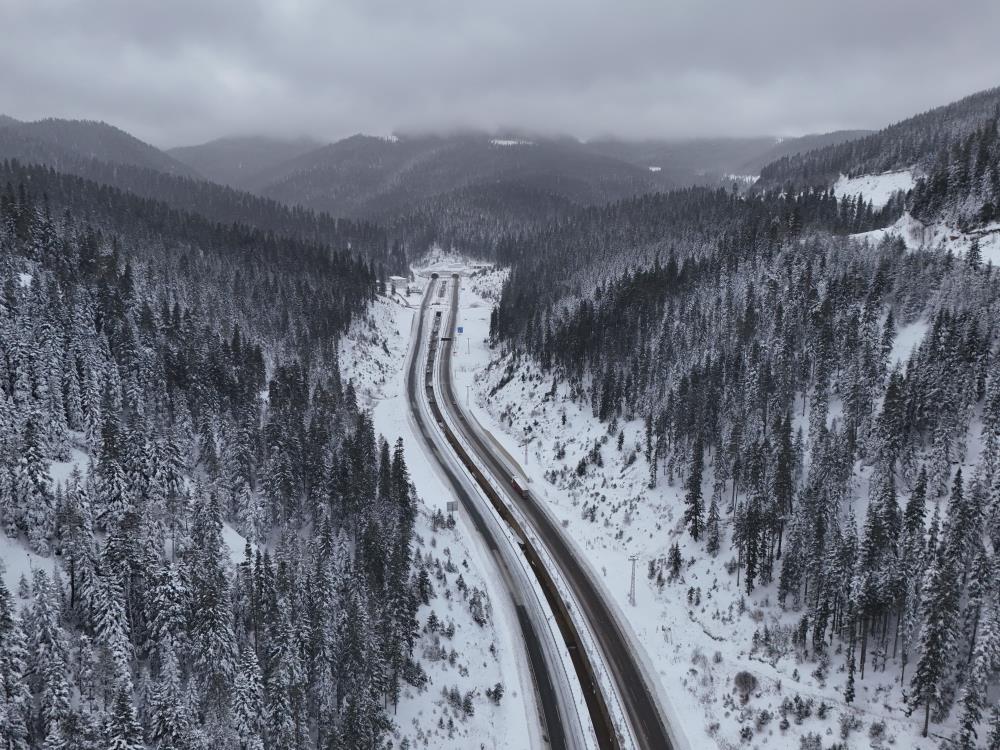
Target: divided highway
554 713
636 697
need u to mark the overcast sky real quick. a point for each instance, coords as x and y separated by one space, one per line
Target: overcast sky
182 71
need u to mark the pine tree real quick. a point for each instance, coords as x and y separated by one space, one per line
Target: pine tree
674 560
15 698
937 637
212 624
713 531
122 730
974 694
114 498
49 654
974 256
35 510
993 743
851 669
169 720
694 506
248 705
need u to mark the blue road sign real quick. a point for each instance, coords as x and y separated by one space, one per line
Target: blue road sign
460 329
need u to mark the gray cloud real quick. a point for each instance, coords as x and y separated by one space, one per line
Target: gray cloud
188 70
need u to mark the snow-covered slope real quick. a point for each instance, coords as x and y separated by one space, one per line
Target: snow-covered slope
940 236
877 188
697 632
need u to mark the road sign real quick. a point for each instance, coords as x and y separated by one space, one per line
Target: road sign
460 329
452 506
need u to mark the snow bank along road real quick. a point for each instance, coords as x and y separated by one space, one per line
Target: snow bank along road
553 714
635 696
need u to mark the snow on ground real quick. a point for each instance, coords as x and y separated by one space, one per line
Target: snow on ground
17 560
655 169
907 339
235 542
59 471
696 633
941 237
510 142
24 279
877 188
374 354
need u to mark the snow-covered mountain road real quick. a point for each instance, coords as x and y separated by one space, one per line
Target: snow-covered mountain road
560 723
614 683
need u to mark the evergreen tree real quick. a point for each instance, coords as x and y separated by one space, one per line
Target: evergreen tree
248 705
937 636
694 507
974 695
169 718
15 698
122 730
713 531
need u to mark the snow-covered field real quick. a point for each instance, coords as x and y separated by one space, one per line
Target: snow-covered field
473 657
695 633
877 188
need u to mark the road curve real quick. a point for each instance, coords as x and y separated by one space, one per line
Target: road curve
547 695
637 697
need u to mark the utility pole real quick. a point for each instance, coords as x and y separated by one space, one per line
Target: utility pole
631 591
525 445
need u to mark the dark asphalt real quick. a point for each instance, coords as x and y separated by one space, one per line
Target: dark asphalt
637 697
547 697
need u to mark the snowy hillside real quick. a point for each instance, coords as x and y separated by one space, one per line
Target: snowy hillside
732 654
877 188
940 237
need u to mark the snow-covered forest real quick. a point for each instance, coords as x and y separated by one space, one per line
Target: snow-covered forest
233 540
754 338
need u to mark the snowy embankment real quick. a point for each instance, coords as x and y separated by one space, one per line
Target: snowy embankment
695 633
459 655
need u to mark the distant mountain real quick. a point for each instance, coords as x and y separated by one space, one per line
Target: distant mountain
128 164
917 141
383 178
68 145
368 176
239 161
